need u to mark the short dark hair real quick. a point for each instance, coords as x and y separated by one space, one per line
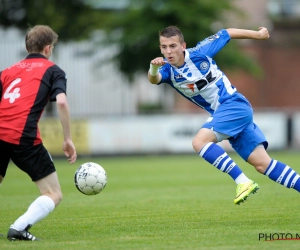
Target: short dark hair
39 36
172 31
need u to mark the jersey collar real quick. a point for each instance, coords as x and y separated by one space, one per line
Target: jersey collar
35 55
186 55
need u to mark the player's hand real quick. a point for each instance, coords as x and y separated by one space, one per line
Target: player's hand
263 33
70 151
158 61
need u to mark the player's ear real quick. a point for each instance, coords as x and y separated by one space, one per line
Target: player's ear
47 48
183 46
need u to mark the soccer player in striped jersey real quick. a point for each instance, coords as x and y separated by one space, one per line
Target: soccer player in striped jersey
25 89
194 74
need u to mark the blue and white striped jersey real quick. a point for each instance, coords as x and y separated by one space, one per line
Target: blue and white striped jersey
199 79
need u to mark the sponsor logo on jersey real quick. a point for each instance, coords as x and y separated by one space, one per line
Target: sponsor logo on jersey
213 37
179 76
189 89
29 66
191 86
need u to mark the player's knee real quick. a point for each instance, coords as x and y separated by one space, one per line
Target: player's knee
197 144
260 166
260 169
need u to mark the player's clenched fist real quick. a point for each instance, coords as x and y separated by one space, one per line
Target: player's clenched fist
159 61
264 33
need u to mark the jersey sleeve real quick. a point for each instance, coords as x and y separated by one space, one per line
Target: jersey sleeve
165 73
211 45
59 82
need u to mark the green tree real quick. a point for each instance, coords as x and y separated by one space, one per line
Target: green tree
136 28
133 28
71 19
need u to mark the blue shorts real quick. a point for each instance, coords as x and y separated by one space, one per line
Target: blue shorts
234 118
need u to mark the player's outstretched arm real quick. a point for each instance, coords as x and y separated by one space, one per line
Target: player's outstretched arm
64 116
153 74
261 34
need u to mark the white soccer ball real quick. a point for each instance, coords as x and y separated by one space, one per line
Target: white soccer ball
90 178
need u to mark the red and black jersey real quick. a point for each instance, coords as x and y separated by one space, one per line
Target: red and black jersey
25 89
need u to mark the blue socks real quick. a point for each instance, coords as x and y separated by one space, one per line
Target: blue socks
216 155
283 174
276 171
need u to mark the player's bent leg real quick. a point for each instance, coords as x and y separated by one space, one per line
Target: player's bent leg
275 170
259 159
50 197
202 138
216 155
37 211
50 187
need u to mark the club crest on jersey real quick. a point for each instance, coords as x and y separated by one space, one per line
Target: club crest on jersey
213 37
204 66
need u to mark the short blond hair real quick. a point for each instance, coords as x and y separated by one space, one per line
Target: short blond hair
39 36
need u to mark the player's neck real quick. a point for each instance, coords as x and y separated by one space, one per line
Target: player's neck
181 61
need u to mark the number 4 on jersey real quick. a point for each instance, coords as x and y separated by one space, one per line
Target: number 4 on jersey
12 95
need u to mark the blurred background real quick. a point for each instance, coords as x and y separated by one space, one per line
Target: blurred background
105 47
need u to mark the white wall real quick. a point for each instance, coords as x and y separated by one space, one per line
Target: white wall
150 134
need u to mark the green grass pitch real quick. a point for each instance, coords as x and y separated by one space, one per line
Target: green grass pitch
157 202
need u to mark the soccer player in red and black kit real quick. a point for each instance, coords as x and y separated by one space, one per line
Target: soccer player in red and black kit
25 89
